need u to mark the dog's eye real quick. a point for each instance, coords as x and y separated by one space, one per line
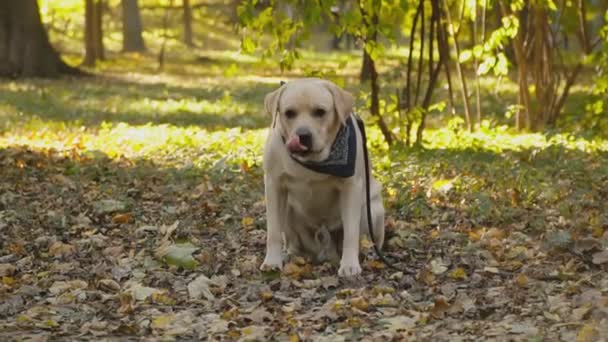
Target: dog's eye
290 114
319 112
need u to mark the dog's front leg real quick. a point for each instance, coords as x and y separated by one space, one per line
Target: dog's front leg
350 206
276 201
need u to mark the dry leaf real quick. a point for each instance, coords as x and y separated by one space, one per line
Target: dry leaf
7 270
587 333
121 218
60 249
440 307
248 222
359 303
600 258
521 280
458 273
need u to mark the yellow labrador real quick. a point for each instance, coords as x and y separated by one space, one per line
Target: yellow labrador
314 177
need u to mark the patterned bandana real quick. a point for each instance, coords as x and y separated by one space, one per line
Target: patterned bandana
342 156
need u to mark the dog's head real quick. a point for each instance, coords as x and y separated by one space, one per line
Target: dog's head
308 113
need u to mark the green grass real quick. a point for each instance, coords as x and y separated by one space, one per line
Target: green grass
198 117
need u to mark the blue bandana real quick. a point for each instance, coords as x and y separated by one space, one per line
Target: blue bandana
342 156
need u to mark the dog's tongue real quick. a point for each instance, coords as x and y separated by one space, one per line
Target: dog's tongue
294 145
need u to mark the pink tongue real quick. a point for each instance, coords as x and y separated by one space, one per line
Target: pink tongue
293 144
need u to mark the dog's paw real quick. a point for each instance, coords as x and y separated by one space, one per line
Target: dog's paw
272 264
349 269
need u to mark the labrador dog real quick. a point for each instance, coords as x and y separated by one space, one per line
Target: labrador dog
314 177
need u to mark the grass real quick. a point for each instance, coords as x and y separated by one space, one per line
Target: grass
196 116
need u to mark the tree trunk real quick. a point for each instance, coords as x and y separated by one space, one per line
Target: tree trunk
98 30
132 40
463 90
25 50
366 68
187 23
93 33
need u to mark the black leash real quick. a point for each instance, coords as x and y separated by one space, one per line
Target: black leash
368 205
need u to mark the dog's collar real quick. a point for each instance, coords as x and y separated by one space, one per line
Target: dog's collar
342 156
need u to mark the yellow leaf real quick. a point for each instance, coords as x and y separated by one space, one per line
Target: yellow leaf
475 235
354 322
586 334
521 280
8 281
294 338
382 290
598 232
162 298
248 222
458 273
161 322
365 243
359 303
338 304
266 295
230 314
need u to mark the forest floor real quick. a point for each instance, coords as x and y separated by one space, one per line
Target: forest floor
131 205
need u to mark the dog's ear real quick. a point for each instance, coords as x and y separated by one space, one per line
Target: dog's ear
344 102
271 101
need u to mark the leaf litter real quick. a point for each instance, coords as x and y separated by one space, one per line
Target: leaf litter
106 253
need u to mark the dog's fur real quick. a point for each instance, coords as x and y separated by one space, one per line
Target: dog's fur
319 216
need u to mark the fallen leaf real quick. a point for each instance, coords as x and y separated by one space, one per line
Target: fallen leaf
600 258
458 273
259 315
199 288
248 222
140 292
587 333
60 249
297 272
60 287
398 323
108 285
266 295
179 254
253 333
359 303
375 264
7 270
109 206
440 307
521 280
492 270
162 321
579 314
121 218
438 266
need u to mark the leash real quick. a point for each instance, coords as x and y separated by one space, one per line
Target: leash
368 205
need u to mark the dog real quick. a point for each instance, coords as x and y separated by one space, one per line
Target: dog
314 177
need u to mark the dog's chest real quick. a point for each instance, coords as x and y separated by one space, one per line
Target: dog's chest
316 200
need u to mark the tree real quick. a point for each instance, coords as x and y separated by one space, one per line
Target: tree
93 34
25 49
132 40
187 18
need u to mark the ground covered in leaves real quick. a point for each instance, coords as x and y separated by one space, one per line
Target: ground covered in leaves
132 205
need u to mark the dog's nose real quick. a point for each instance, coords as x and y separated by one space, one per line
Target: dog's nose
305 136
